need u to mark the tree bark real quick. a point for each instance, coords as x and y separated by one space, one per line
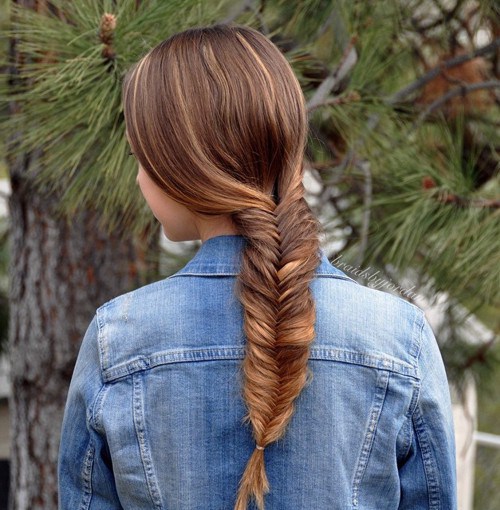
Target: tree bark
60 272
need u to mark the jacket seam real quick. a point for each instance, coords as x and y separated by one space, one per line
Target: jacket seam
419 426
418 350
95 410
88 464
185 355
232 273
430 468
375 412
336 276
147 461
417 344
409 416
86 475
101 340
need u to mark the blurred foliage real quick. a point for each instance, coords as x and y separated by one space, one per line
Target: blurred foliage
70 96
408 164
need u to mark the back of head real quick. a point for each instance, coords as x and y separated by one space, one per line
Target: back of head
216 117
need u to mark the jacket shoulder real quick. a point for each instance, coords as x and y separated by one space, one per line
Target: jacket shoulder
178 318
128 321
367 321
172 320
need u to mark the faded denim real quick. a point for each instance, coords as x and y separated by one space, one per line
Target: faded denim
153 418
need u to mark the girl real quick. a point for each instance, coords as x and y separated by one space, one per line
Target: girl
258 374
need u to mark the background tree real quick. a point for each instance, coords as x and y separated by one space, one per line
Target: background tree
402 158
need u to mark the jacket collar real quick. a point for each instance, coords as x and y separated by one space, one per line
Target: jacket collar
221 256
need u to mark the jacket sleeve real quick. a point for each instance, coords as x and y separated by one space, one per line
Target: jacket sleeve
85 475
428 473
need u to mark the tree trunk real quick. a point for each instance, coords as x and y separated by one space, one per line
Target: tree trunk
60 272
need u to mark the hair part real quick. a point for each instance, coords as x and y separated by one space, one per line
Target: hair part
217 118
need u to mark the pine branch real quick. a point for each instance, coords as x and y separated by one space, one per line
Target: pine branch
436 71
461 90
71 96
479 355
107 29
346 64
374 119
364 166
451 198
350 97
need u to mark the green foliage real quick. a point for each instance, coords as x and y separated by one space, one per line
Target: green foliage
413 191
458 246
70 97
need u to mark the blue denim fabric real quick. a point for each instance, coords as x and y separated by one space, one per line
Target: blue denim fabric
153 418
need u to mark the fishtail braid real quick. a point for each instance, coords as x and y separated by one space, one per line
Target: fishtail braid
278 263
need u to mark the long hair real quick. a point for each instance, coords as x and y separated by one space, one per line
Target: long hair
217 118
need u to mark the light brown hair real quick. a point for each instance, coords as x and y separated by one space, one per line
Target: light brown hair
217 118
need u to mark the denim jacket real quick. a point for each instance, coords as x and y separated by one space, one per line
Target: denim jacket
153 418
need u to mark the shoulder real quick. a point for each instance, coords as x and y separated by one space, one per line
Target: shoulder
363 300
128 321
172 319
121 303
367 301
376 324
